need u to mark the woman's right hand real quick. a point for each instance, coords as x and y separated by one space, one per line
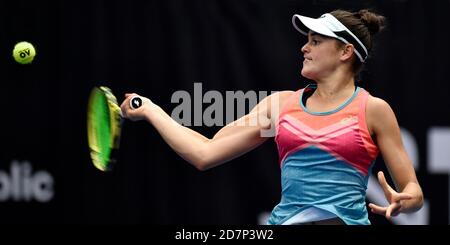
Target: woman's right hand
138 113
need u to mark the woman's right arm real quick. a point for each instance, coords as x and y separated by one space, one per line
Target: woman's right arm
231 141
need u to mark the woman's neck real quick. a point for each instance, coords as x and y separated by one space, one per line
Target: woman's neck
335 87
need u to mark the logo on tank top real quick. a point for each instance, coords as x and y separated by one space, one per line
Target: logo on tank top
349 119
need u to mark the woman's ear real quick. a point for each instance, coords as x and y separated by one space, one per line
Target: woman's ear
347 52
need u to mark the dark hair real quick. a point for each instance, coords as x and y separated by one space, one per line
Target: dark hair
364 24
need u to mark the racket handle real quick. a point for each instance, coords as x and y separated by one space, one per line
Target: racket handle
135 102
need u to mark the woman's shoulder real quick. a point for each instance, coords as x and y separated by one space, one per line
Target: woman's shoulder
282 96
275 101
284 93
377 105
377 108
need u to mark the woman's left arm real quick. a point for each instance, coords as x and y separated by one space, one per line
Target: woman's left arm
407 196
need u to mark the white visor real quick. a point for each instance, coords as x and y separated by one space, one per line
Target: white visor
329 26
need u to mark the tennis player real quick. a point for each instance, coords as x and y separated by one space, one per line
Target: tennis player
328 134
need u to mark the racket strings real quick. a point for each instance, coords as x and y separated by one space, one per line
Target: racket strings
103 122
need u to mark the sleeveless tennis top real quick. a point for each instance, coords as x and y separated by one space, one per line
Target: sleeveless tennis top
325 158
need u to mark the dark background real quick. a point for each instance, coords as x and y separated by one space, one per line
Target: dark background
155 48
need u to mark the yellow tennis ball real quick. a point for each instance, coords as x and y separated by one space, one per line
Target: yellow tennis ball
24 52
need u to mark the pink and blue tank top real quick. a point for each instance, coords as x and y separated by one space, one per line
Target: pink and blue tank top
325 159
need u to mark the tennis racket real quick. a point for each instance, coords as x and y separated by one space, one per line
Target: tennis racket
104 124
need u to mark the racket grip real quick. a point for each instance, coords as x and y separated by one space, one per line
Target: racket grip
135 102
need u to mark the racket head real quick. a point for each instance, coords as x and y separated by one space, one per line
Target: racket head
103 127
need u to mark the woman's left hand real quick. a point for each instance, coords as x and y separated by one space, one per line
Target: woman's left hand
394 198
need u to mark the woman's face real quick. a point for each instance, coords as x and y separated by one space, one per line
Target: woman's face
321 56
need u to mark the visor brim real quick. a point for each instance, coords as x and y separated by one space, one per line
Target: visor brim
304 24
